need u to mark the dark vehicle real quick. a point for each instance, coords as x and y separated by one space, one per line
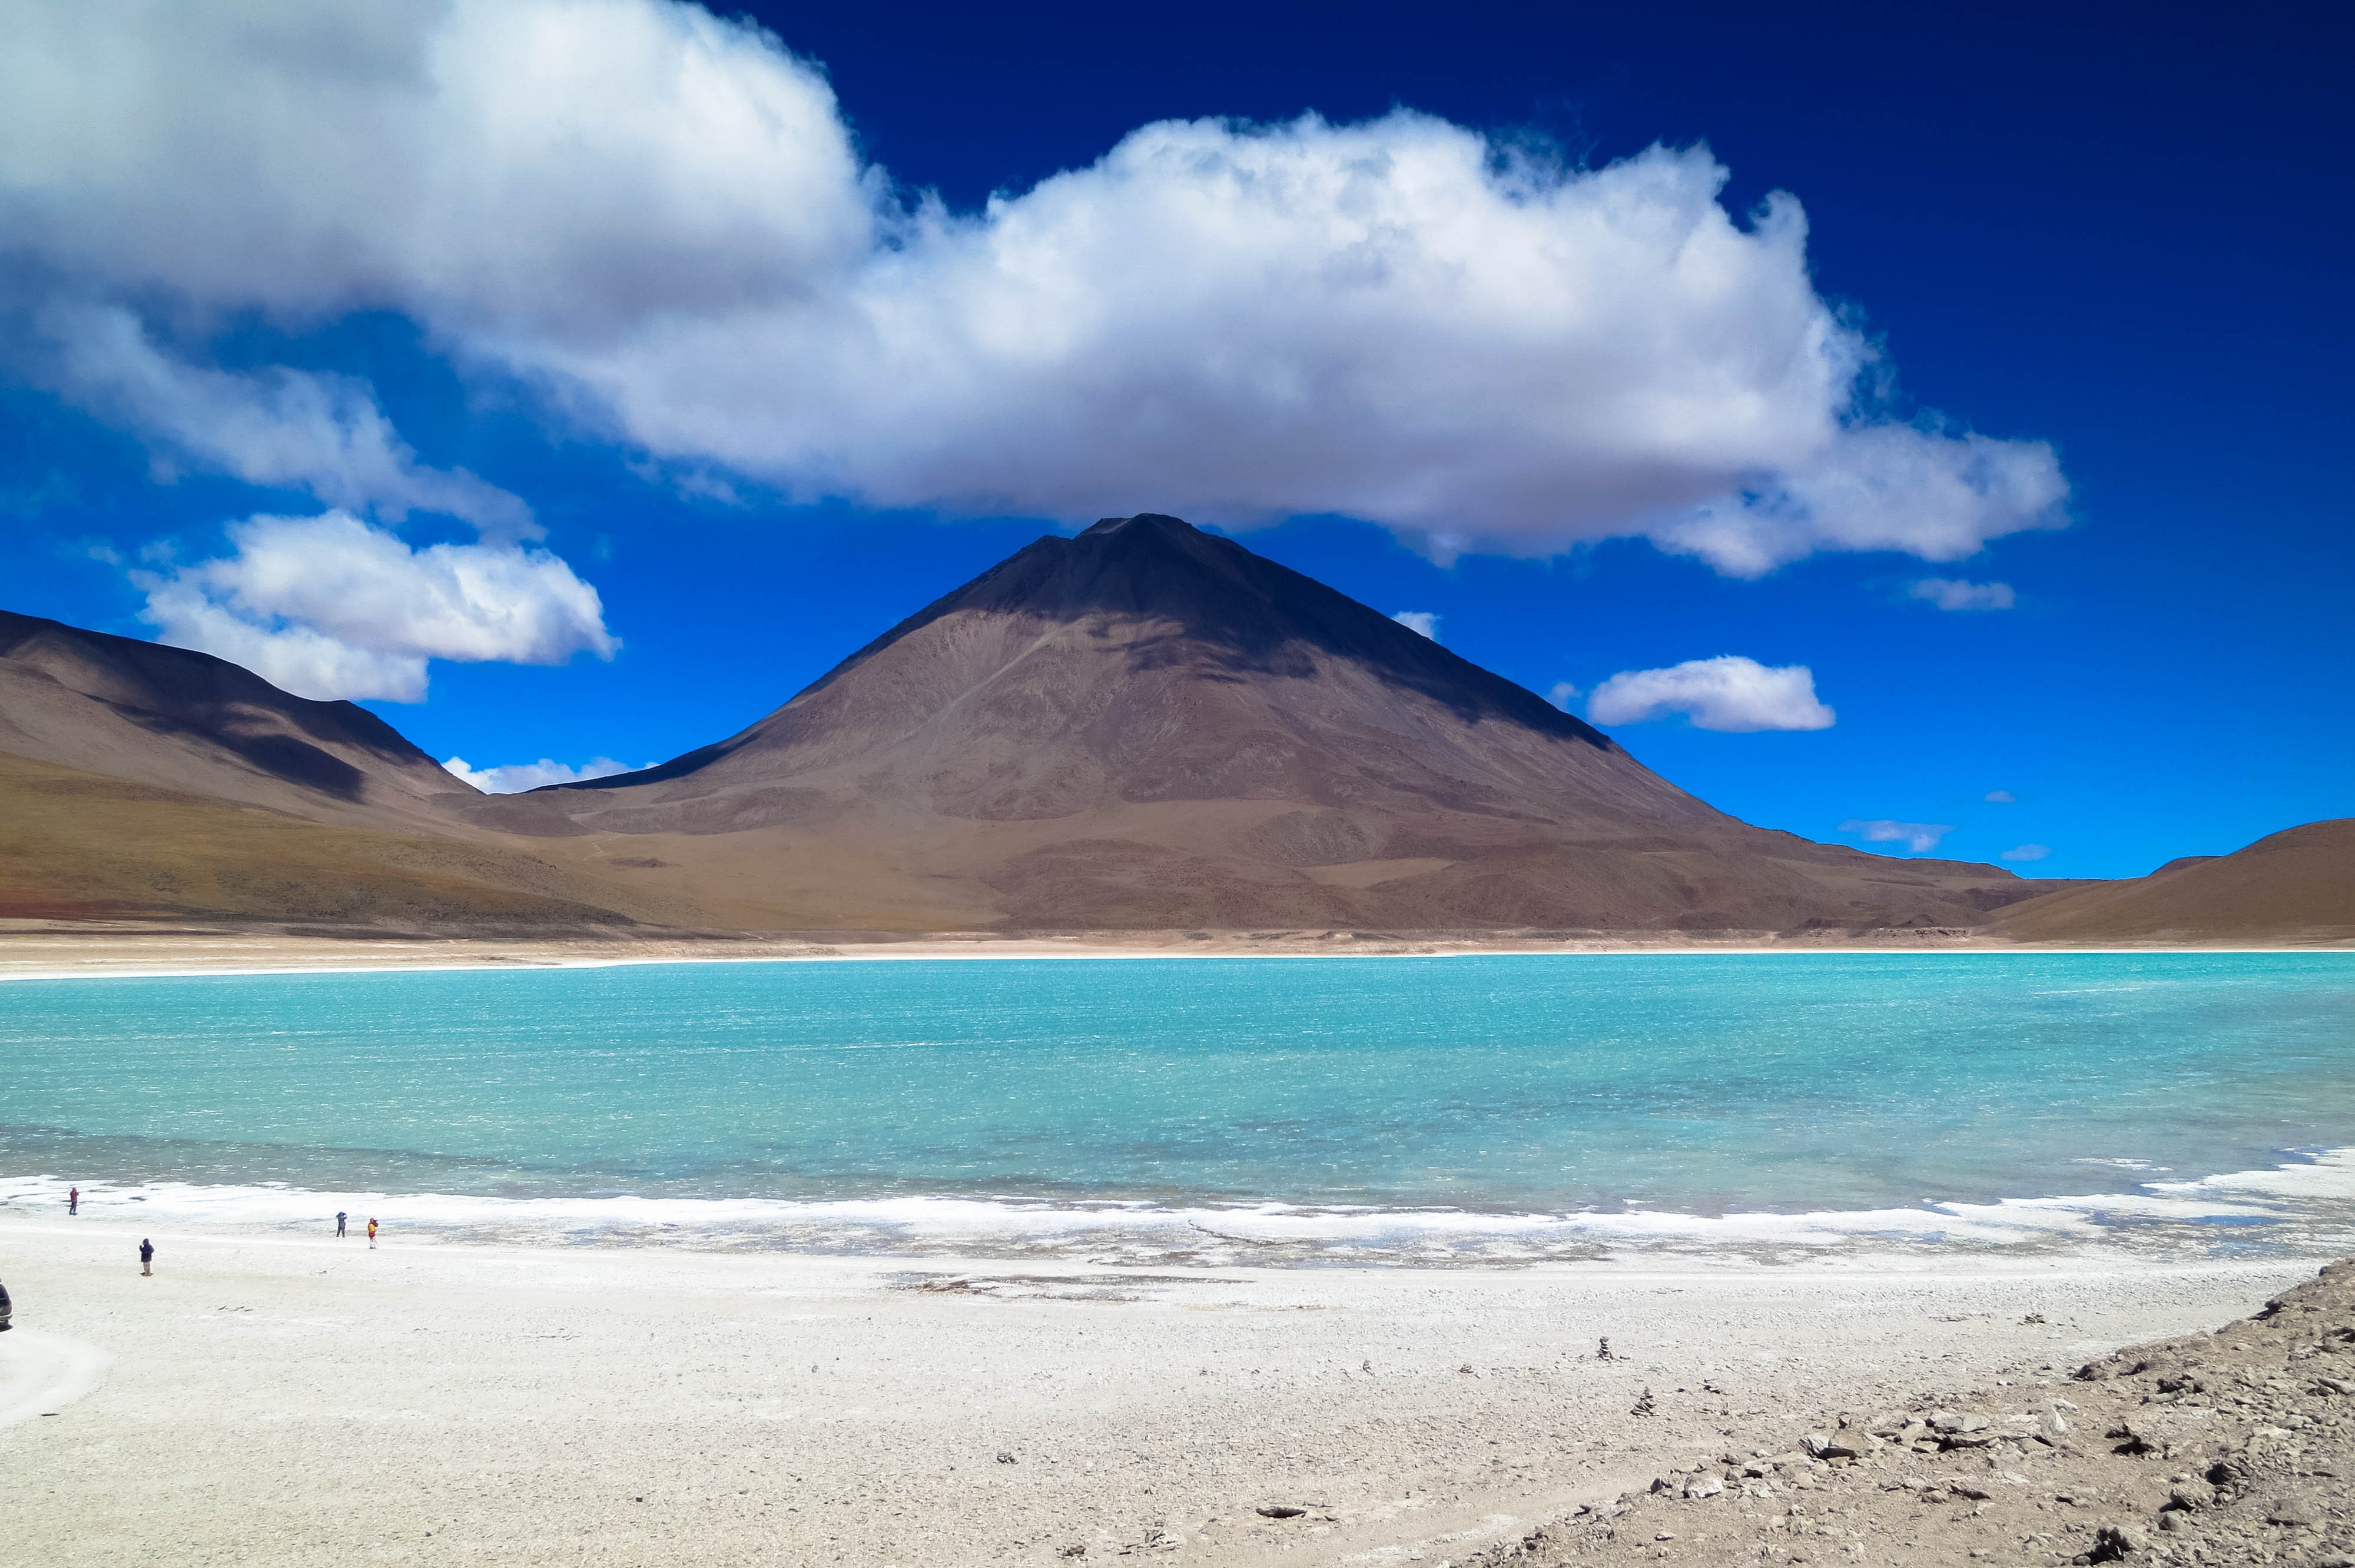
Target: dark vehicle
4 1324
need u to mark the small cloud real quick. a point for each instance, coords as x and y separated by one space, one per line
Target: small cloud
1919 837
334 605
1727 692
1561 695
2001 797
1422 621
1947 593
2027 852
513 778
105 554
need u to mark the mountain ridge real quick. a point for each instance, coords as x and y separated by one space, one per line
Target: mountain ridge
1145 724
1140 727
180 719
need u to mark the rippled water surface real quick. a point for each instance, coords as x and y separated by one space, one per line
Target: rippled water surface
1688 1084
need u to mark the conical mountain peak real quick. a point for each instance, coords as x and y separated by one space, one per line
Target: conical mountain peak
1145 724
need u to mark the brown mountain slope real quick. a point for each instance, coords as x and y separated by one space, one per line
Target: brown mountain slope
77 846
1146 727
139 781
189 721
2294 886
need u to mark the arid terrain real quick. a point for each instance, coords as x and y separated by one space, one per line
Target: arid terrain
277 1396
1141 734
2232 1447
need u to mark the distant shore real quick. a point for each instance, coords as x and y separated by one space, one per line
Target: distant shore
35 950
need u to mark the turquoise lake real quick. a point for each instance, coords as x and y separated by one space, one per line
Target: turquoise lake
855 1093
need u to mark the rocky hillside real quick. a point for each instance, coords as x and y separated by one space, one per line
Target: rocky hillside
2224 1448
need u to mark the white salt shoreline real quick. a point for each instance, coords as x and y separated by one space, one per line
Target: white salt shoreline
2304 1209
14 966
294 1399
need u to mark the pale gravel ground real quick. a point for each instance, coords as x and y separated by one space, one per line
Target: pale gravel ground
288 1400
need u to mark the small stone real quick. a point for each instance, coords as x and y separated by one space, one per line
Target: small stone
1950 1423
2114 1542
1005 1458
2292 1511
1703 1487
1280 1510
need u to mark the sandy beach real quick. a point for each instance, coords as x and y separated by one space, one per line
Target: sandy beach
268 1398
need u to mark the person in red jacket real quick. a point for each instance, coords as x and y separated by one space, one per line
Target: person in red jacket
371 1231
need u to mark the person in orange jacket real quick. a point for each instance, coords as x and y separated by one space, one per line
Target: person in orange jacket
371 1231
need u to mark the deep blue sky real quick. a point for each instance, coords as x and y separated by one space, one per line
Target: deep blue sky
2118 229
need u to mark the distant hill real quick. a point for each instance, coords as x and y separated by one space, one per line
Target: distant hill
1148 726
2293 886
187 721
145 782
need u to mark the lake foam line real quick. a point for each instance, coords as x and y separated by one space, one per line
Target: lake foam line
2303 1208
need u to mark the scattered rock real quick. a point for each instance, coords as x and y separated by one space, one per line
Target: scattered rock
1280 1510
2259 1441
1005 1458
2115 1543
2187 1496
1643 1405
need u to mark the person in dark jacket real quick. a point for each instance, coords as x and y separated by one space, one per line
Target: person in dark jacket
146 1255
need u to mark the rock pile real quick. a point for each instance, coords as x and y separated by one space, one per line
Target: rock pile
2224 1448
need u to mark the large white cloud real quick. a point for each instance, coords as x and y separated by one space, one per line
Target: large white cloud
1727 692
334 607
658 219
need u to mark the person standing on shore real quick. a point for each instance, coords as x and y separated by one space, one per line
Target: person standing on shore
73 1200
146 1257
340 1217
371 1231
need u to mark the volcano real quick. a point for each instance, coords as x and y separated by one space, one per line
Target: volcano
1147 725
